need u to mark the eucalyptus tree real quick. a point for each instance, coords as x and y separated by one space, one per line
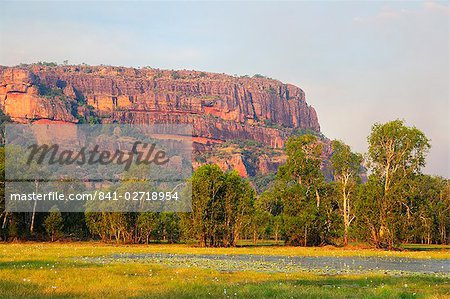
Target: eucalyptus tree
346 167
302 187
396 156
222 205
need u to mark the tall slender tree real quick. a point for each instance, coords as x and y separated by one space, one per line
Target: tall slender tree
396 155
346 166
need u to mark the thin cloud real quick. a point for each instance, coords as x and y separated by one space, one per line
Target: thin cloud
437 6
387 13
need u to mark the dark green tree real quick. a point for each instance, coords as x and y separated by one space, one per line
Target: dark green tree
222 204
304 193
54 224
147 224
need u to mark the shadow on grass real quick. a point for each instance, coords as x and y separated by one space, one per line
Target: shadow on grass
420 247
259 243
372 287
10 289
256 245
44 264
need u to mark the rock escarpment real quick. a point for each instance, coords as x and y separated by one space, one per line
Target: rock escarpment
220 107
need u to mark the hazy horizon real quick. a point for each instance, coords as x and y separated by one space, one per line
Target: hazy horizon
359 63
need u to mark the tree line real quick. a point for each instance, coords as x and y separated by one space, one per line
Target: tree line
396 203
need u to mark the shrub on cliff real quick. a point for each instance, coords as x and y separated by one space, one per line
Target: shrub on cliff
175 75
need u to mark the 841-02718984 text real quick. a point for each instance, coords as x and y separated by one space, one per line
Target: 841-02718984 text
138 195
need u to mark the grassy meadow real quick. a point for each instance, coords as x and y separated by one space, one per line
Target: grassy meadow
62 270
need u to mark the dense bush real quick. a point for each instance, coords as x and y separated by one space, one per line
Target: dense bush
397 203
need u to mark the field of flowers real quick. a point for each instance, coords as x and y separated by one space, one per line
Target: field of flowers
180 271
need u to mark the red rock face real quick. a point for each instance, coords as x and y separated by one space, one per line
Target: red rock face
20 99
219 107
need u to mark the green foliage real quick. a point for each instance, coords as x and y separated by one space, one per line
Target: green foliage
260 226
396 204
169 227
111 225
147 224
367 207
4 119
303 162
54 224
157 75
2 181
51 93
97 225
258 76
301 195
396 151
396 156
346 167
263 182
268 123
221 206
90 117
134 227
175 75
428 214
300 132
45 63
345 163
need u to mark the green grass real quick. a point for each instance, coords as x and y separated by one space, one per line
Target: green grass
56 270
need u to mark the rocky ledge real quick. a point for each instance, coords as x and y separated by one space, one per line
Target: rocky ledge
221 108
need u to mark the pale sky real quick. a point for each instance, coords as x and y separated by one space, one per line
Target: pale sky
358 62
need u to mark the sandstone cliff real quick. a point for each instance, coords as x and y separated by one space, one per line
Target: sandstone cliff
220 107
